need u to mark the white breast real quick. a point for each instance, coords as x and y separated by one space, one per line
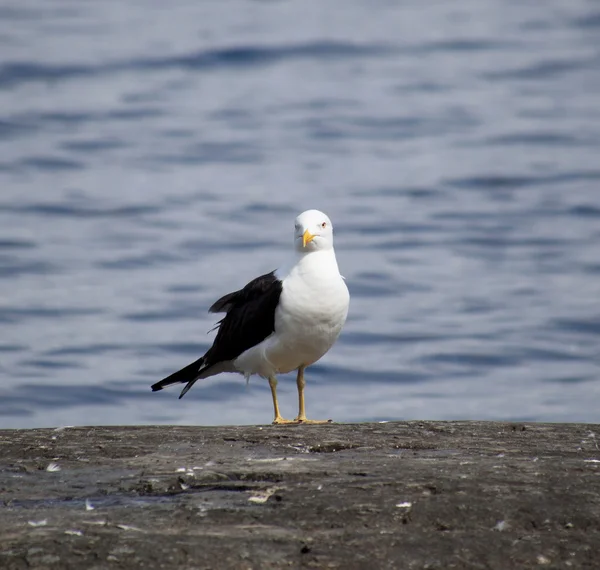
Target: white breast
311 313
308 320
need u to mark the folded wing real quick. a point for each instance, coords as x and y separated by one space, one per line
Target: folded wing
249 319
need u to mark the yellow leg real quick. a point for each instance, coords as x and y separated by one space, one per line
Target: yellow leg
301 383
278 419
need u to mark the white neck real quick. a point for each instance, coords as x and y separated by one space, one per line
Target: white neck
321 262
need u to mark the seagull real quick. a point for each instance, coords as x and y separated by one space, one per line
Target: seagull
279 322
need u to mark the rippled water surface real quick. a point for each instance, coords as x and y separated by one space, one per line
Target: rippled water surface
153 156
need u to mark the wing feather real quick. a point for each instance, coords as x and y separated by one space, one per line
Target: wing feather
252 290
249 320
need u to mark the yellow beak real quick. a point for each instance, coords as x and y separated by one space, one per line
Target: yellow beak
307 237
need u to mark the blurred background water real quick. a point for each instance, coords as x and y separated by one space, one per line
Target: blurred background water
153 157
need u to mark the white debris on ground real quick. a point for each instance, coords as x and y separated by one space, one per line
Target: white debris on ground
543 560
263 496
129 527
74 532
500 526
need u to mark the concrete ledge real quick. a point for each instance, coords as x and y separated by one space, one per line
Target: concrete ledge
431 495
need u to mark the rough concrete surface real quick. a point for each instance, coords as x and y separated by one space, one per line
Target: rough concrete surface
431 495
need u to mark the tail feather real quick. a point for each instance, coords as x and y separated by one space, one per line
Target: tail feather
187 375
187 387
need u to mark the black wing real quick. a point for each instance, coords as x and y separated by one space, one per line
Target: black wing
251 291
249 320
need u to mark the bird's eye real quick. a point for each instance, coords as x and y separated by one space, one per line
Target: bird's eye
324 225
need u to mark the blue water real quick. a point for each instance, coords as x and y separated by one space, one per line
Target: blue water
153 157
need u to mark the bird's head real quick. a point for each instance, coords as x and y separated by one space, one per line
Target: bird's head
313 231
